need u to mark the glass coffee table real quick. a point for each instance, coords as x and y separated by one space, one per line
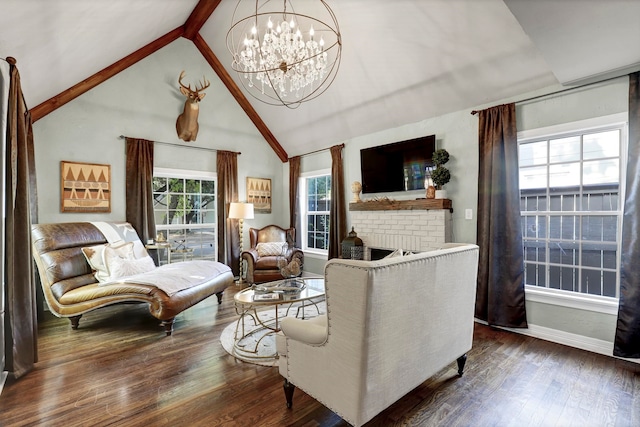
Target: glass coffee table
288 294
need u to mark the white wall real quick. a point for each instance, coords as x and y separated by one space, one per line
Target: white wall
143 101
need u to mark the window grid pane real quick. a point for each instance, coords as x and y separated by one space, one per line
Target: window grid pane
185 212
317 204
570 212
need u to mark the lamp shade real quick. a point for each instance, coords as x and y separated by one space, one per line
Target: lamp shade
238 210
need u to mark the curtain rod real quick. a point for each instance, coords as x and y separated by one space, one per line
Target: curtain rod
319 150
533 98
183 146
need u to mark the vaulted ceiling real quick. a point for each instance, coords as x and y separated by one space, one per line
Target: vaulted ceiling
403 61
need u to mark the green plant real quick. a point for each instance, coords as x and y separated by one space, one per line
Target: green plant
440 175
440 157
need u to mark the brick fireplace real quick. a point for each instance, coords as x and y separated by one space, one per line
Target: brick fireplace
414 225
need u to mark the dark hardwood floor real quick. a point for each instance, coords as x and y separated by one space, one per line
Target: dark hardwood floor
119 369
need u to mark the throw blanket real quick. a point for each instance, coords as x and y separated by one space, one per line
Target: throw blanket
172 278
169 278
121 232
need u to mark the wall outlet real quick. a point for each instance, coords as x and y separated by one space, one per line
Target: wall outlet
468 214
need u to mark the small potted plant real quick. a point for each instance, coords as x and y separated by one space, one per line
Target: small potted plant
440 175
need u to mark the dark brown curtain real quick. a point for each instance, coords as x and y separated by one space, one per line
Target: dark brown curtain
338 211
500 292
294 208
21 326
228 229
627 340
139 187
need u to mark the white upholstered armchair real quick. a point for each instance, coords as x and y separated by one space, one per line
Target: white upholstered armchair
391 324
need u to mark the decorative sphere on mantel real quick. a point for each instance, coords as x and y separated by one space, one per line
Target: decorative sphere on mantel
356 188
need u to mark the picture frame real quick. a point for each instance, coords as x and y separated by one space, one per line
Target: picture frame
259 193
85 187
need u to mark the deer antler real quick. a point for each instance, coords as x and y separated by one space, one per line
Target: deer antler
180 82
204 85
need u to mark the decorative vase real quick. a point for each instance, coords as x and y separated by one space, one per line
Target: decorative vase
441 194
431 192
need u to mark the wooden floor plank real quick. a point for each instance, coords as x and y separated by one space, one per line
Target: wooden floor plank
119 369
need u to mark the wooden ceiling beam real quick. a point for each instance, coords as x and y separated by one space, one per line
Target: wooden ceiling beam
235 91
198 17
89 83
189 30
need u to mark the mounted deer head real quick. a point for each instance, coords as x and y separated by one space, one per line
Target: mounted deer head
187 123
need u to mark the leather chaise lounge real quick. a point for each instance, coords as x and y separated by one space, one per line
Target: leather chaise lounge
71 288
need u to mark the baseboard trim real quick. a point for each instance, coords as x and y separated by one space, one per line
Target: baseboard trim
582 342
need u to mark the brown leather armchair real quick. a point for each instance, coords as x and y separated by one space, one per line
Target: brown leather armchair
264 268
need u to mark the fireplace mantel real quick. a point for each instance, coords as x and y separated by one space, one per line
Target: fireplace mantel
396 205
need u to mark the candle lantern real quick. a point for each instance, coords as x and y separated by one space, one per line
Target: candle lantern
352 241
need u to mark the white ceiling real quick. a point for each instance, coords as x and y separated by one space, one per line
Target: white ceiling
403 61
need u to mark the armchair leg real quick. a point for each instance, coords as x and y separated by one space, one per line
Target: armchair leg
461 362
288 392
219 296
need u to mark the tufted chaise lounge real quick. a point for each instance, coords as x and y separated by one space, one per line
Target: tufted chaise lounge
70 288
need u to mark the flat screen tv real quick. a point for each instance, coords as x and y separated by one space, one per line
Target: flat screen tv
396 167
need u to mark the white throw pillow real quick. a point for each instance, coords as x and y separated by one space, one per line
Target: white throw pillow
397 252
114 250
94 256
270 248
121 267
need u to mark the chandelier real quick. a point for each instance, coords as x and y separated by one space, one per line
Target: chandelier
284 56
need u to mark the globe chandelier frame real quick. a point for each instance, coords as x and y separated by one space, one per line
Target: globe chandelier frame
283 57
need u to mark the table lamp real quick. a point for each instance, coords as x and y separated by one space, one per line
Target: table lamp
241 211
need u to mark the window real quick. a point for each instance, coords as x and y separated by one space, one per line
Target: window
184 205
316 203
571 213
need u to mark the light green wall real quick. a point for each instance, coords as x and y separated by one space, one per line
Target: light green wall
593 101
144 101
591 324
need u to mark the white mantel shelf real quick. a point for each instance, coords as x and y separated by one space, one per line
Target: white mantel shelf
396 205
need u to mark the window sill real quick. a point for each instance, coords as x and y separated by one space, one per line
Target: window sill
597 304
315 254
